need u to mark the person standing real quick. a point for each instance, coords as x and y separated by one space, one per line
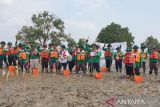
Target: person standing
108 56
129 61
153 64
63 57
137 60
81 59
118 57
144 58
44 59
53 57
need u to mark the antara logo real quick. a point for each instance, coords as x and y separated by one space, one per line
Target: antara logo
112 102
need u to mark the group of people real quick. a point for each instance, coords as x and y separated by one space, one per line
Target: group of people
52 58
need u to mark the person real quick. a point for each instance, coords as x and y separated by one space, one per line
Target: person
94 58
10 55
3 44
118 57
129 61
137 60
144 58
81 60
44 59
72 52
63 57
153 64
22 56
53 57
1 58
108 56
34 57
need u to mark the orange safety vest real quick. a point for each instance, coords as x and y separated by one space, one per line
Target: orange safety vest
1 51
80 57
144 55
11 51
22 55
16 51
154 55
137 56
107 53
54 54
128 58
44 55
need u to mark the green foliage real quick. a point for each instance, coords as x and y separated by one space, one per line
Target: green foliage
45 27
151 42
115 33
82 42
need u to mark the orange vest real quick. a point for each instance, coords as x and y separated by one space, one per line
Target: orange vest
22 55
54 54
16 51
107 53
154 55
44 55
1 51
80 57
11 51
144 56
137 56
128 58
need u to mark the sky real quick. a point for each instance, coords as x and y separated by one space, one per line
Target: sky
84 18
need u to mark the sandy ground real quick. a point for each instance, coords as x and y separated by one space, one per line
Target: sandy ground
78 91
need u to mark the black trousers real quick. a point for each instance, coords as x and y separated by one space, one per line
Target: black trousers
12 60
129 70
71 64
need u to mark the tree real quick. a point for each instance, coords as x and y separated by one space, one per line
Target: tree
151 42
45 27
115 33
82 42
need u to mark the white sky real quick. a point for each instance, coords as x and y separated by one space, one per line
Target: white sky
84 17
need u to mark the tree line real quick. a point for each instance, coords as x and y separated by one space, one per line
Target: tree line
47 27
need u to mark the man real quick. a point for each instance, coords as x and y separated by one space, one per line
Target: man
4 53
34 56
94 58
63 57
44 59
81 60
137 60
22 57
144 58
129 61
10 54
153 64
53 57
108 56
118 57
72 52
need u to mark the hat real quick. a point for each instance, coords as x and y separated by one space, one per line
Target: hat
3 43
128 49
109 45
94 44
63 46
143 47
50 44
9 43
135 47
117 48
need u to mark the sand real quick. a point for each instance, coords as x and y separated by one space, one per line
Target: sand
77 91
